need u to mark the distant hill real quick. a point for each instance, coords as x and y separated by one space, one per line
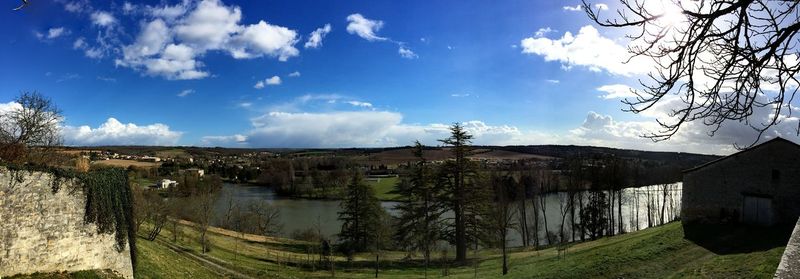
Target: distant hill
394 155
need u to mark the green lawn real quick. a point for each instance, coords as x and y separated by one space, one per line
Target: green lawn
660 252
383 186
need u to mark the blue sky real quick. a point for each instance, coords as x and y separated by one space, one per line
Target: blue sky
377 73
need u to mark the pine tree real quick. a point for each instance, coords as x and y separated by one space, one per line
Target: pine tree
360 216
464 197
419 222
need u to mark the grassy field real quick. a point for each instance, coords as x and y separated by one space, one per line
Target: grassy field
383 186
126 163
660 252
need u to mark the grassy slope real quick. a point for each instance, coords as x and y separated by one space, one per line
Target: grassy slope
383 187
660 252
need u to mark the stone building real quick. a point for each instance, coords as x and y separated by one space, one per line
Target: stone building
759 185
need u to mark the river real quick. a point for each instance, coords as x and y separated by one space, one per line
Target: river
301 214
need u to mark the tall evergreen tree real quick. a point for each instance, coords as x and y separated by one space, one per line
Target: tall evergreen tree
457 177
419 222
360 215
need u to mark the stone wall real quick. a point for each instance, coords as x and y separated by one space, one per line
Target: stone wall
790 261
43 231
714 193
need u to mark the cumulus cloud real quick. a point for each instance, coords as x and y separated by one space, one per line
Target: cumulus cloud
406 53
603 130
113 132
265 39
601 6
364 27
274 80
173 39
294 74
576 8
360 129
616 91
315 38
587 49
102 18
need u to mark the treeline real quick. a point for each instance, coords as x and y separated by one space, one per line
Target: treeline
308 177
471 208
191 199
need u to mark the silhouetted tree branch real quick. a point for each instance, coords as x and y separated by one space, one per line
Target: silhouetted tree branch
725 60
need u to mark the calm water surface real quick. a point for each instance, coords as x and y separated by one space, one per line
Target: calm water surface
301 214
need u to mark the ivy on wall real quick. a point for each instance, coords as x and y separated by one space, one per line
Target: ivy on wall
109 200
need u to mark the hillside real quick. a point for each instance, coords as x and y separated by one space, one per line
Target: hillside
660 252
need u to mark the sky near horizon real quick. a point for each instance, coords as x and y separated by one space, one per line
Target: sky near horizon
333 74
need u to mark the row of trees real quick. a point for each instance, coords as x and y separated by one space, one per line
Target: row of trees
470 208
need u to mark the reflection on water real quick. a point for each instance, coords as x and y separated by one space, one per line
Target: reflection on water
300 214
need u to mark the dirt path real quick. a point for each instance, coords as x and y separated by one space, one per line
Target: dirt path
220 270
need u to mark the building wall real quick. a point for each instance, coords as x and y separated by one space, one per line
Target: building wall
42 231
714 193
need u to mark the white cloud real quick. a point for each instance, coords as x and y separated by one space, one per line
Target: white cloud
265 39
459 95
553 81
102 18
127 7
575 8
113 132
360 104
274 80
361 129
53 33
587 49
10 106
80 44
76 6
406 53
173 39
294 74
616 91
364 27
603 130
315 38
601 6
542 32
185 92
245 104
209 25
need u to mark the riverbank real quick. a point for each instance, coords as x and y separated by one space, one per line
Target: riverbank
658 252
381 185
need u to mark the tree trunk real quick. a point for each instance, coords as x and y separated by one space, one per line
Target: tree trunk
619 212
535 223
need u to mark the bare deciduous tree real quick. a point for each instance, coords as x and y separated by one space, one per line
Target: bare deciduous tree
726 60
33 121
